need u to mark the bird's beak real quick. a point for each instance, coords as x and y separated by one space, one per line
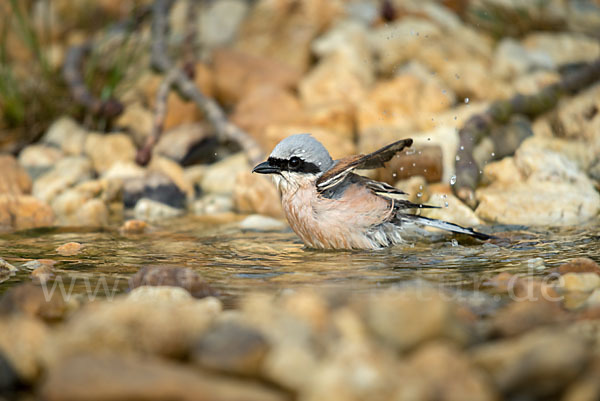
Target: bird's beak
266 168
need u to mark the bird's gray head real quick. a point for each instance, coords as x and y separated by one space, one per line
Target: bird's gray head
300 153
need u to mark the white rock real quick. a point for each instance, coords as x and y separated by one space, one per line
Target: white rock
213 204
147 209
66 173
67 135
257 222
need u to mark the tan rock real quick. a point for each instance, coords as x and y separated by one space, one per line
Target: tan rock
236 73
133 227
563 47
220 177
67 135
265 105
21 342
283 31
449 374
579 265
23 212
14 180
338 118
79 208
147 323
554 191
256 194
179 142
180 111
106 150
584 282
69 249
503 171
409 317
420 95
137 120
451 209
39 156
538 363
175 173
396 43
104 377
331 81
66 173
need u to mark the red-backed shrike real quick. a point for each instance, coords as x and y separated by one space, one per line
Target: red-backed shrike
331 207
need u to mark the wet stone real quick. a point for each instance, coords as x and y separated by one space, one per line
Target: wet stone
9 379
579 265
134 227
117 377
22 340
583 282
409 317
69 249
148 209
14 180
34 300
156 187
536 364
233 348
173 276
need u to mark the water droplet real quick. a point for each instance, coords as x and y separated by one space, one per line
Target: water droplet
419 194
454 242
466 100
421 187
424 170
453 180
493 154
462 147
457 158
401 168
394 175
414 164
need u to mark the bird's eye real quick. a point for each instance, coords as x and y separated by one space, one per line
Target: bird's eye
294 163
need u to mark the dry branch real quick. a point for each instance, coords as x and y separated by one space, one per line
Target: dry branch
225 130
72 73
482 125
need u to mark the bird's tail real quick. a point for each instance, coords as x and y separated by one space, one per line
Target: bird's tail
444 225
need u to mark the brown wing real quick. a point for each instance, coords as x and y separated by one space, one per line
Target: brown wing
345 166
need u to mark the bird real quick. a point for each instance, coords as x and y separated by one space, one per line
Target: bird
329 206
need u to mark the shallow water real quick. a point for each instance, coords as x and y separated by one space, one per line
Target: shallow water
235 262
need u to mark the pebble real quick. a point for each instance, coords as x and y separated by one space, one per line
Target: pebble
134 227
69 249
181 277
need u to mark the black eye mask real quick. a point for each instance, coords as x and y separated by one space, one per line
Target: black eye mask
294 164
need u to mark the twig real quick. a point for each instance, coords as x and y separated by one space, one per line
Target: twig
73 76
225 130
189 56
160 112
500 112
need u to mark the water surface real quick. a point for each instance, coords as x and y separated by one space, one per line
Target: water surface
235 262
